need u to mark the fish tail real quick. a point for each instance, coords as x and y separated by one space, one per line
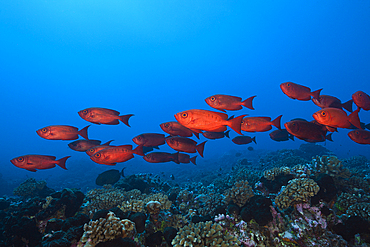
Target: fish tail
354 119
249 102
83 132
367 126
62 162
196 134
348 105
227 133
193 160
276 122
175 157
254 139
236 123
139 150
316 94
291 137
124 118
200 148
328 136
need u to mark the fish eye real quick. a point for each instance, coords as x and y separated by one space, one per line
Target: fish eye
213 98
360 94
323 114
84 111
97 155
166 125
357 133
288 84
91 150
242 122
44 130
184 115
20 159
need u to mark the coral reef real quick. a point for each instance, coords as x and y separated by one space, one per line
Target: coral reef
32 188
298 190
239 193
204 234
272 173
106 229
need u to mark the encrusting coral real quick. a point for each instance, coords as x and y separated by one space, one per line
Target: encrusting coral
298 190
105 229
204 234
239 193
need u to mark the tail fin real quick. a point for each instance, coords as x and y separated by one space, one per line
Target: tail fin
83 132
316 94
193 160
175 157
196 134
328 137
139 150
62 162
236 123
254 139
348 105
291 137
249 102
276 122
124 118
354 119
200 148
227 133
367 126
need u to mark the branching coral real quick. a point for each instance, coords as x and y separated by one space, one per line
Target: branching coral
204 234
105 229
239 193
272 173
298 190
330 165
360 209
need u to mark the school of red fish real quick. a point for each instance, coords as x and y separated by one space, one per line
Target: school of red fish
211 124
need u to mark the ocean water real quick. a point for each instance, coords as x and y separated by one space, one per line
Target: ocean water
154 59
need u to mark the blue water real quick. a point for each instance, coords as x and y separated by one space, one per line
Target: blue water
156 58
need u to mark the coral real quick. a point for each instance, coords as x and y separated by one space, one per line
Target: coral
301 171
31 188
298 190
272 173
161 198
330 165
103 198
132 205
204 234
344 201
360 209
153 207
105 229
239 193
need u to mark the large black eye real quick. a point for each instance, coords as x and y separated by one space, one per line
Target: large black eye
44 130
20 159
97 155
184 115
288 84
323 114
213 98
91 150
84 111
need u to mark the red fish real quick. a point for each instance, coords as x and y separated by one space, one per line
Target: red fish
149 139
198 120
231 103
34 162
241 140
83 145
325 101
97 148
307 131
176 129
112 155
281 135
184 144
185 158
216 135
338 118
362 100
299 92
161 157
360 136
99 115
62 132
259 124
